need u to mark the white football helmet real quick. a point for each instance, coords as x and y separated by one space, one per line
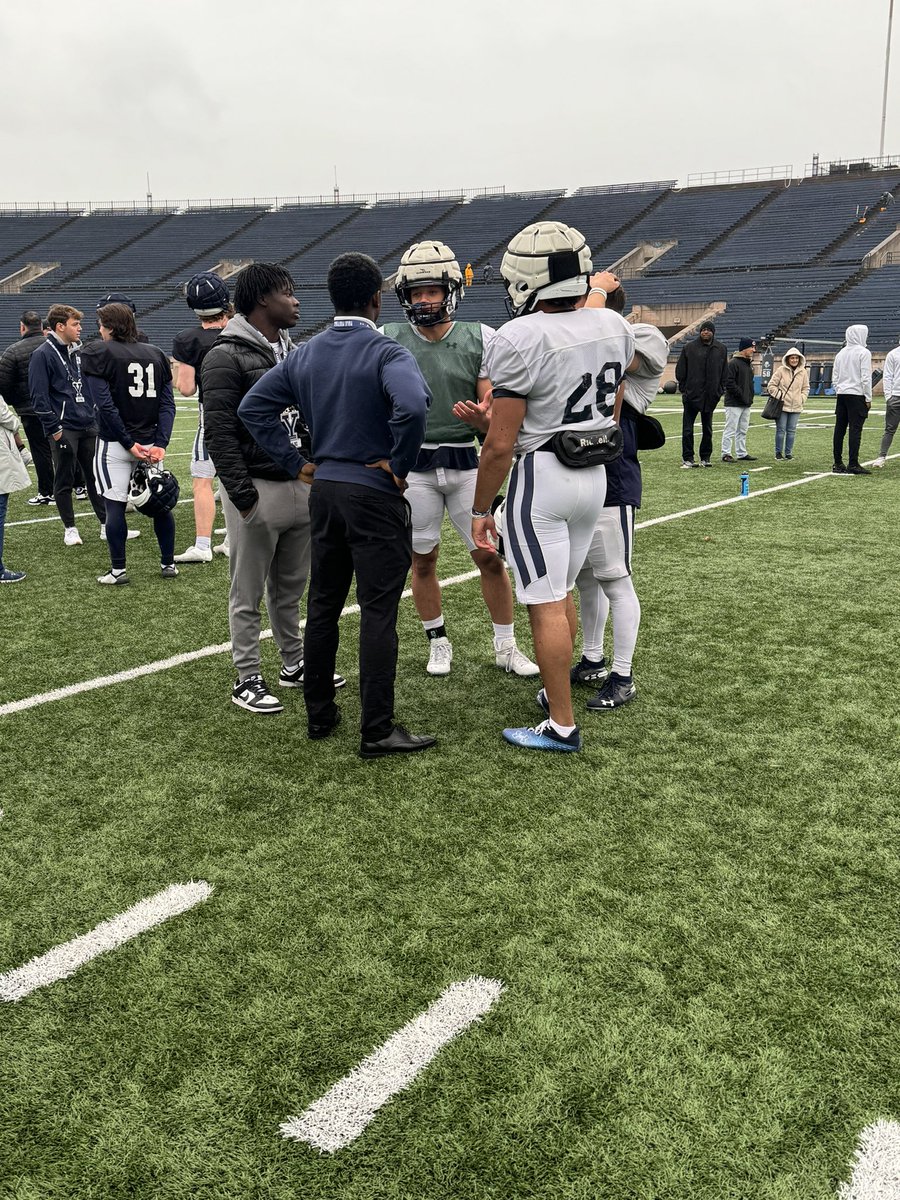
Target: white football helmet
546 261
423 264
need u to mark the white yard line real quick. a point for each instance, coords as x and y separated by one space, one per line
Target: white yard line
341 1115
63 961
876 1167
88 513
166 664
178 660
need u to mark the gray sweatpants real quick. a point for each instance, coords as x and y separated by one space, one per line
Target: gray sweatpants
891 421
269 552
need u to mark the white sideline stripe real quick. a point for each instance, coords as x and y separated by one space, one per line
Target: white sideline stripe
876 1167
177 660
754 469
341 1115
166 664
63 961
776 487
78 516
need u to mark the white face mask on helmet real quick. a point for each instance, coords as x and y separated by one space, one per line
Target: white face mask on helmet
546 261
429 264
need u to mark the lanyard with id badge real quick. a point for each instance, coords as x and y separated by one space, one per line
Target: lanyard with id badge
74 380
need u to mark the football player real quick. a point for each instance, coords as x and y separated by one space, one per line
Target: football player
605 585
450 355
207 296
130 384
555 370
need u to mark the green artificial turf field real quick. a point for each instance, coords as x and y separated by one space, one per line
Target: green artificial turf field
695 920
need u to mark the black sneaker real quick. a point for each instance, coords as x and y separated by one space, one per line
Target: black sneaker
747 458
727 458
315 732
704 462
39 499
294 678
839 469
778 457
80 493
789 457
858 470
590 674
615 692
253 695
168 571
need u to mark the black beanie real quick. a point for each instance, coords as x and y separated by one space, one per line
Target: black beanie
708 325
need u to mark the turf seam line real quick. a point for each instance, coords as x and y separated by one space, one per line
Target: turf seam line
65 959
876 1165
174 660
340 1116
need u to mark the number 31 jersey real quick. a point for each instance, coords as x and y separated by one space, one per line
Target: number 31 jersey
567 367
137 374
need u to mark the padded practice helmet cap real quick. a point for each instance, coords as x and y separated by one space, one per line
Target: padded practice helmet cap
546 261
116 298
207 294
423 264
153 491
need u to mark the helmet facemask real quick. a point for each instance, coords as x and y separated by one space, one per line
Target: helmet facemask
429 264
425 312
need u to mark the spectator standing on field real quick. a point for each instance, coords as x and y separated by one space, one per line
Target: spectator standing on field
700 372
13 478
14 389
66 413
790 385
738 402
891 385
852 383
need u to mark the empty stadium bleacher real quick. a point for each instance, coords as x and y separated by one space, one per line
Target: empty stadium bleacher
770 253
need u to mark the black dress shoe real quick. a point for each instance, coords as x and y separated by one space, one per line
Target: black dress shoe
856 469
315 733
746 458
398 741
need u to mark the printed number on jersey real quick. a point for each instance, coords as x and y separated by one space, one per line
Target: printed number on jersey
583 404
143 380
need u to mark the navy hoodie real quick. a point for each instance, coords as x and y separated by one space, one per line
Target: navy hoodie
362 397
57 395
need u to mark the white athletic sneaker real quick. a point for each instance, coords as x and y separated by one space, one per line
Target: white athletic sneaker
508 656
113 579
130 536
222 548
72 537
879 461
253 695
440 656
194 554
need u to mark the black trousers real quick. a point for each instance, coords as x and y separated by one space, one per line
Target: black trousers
39 446
75 449
362 531
850 411
688 420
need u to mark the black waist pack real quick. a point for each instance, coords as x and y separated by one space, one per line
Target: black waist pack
576 450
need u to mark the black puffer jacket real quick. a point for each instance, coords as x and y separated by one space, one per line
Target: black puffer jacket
739 382
14 372
238 358
700 372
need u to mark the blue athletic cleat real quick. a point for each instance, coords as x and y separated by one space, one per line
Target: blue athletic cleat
543 737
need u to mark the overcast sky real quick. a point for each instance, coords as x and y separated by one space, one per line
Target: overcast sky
264 98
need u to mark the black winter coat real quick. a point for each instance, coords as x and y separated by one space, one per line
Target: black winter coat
739 382
700 372
14 372
232 365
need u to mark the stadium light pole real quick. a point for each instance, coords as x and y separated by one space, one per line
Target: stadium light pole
887 70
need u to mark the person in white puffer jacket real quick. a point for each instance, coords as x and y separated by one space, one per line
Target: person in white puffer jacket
891 385
852 382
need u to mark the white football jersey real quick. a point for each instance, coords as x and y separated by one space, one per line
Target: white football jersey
566 365
642 383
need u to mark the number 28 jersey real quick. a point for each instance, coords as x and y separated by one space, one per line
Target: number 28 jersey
138 376
566 365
